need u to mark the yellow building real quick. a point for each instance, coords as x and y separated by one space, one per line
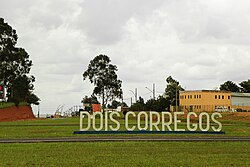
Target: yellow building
213 100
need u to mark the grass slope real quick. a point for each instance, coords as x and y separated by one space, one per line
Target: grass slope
126 154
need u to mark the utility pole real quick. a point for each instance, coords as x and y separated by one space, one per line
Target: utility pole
153 90
135 94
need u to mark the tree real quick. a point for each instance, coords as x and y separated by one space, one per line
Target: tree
245 86
172 91
14 61
139 105
88 101
91 100
159 104
21 90
115 104
229 86
162 104
14 64
8 36
103 75
151 104
33 99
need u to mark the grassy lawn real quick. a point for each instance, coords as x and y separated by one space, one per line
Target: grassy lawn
39 128
126 154
118 153
65 127
6 104
10 104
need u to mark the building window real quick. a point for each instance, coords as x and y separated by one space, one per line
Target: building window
190 96
219 96
228 97
200 96
222 96
215 96
185 96
195 96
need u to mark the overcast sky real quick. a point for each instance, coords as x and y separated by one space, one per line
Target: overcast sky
200 43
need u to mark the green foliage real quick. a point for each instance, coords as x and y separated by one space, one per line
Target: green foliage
6 104
103 75
245 86
139 105
229 86
10 104
172 91
44 128
15 66
21 90
132 154
14 61
159 104
90 100
1 90
151 105
115 104
8 36
33 99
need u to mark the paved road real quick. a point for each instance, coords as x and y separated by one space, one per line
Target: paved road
127 139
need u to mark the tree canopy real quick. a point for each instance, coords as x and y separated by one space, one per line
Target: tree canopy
15 66
159 104
230 86
139 105
245 86
172 91
103 75
233 87
114 104
91 100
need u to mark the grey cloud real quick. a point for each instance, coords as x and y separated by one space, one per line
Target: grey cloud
103 21
210 21
47 20
200 43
